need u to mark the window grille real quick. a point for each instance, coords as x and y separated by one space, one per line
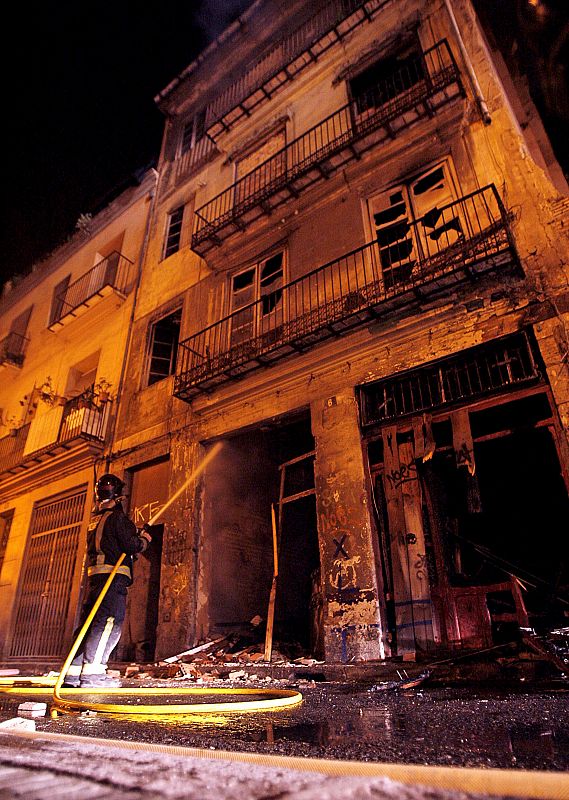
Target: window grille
475 372
45 588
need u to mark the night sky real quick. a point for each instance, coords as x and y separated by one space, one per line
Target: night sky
80 81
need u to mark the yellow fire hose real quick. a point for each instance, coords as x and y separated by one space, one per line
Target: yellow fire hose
275 698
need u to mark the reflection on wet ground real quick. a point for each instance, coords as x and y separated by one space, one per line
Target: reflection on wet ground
460 726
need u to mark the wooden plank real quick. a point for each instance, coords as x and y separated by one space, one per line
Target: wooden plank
273 595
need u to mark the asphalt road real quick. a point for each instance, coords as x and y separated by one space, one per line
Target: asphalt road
518 727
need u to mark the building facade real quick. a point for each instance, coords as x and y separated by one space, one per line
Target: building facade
364 250
66 328
356 281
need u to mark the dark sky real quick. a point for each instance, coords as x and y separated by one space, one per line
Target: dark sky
79 83
80 80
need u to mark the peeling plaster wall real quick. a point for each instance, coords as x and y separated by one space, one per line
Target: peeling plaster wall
352 627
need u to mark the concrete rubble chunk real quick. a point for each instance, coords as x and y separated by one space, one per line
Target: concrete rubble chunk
18 724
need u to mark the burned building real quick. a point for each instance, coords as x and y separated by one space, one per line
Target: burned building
356 281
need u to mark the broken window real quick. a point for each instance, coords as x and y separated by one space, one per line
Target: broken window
257 297
414 222
164 337
173 231
386 79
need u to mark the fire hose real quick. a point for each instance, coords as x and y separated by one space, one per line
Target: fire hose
64 699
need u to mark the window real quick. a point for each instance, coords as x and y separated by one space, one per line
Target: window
257 297
192 132
13 346
5 525
58 300
164 337
411 222
386 79
173 231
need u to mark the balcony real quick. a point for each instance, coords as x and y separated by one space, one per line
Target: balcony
472 237
13 349
112 275
71 430
416 91
188 163
283 61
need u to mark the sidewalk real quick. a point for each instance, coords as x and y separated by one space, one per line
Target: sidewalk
36 766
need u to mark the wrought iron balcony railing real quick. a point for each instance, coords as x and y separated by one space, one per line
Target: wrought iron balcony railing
13 349
113 274
465 238
415 91
77 419
280 63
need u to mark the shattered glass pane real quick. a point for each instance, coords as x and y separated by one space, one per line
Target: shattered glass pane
434 180
390 214
243 279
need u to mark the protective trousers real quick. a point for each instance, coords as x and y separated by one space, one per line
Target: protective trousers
105 629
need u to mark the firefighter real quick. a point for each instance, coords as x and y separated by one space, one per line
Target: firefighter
110 533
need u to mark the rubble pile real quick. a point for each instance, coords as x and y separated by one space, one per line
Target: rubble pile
234 657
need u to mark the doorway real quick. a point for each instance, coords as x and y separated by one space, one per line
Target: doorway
269 466
148 492
493 549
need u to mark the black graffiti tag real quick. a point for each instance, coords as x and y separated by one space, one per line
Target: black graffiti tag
408 472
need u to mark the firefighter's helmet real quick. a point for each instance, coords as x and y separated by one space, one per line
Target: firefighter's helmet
108 487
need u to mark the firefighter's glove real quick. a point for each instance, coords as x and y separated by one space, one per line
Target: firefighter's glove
144 534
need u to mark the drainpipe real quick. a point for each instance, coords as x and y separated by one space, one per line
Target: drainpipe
487 119
143 251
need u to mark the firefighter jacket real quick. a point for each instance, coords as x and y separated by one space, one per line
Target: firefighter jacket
109 534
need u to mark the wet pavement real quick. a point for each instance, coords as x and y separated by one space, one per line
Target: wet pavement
475 726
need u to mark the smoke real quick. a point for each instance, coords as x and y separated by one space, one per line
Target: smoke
213 16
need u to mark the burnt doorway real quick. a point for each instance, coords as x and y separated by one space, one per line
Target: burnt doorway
148 493
268 466
500 528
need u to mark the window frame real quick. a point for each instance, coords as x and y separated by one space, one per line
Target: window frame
173 238
266 322
152 356
405 186
192 131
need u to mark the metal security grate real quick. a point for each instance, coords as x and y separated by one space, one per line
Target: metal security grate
474 373
46 585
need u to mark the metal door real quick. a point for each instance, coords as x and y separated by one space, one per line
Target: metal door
46 587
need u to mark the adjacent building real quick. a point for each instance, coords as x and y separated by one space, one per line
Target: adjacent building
65 335
355 279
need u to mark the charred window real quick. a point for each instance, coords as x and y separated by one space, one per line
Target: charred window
164 338
387 79
413 222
